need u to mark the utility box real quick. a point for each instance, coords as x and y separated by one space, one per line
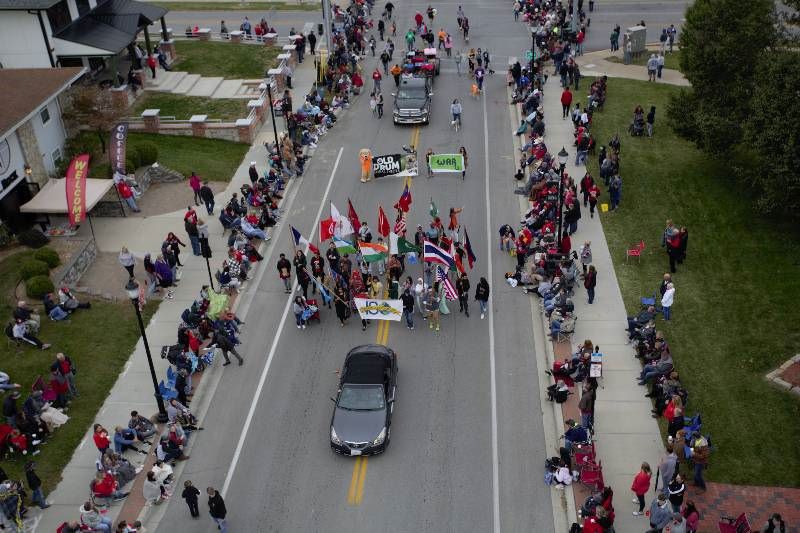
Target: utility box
638 38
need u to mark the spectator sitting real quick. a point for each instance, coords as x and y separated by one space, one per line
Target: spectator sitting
576 434
640 320
53 309
21 332
5 382
655 369
93 520
142 426
24 313
562 476
69 302
169 451
106 486
251 231
124 439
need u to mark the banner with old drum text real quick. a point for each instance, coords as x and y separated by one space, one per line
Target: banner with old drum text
76 188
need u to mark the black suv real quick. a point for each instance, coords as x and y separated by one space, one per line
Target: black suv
362 418
412 101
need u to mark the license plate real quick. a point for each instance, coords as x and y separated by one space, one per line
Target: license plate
355 452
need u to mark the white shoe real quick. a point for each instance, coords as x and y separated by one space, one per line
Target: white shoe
481 316
636 513
304 326
635 500
298 327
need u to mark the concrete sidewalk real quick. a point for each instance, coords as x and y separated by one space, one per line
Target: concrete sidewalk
134 389
625 433
595 64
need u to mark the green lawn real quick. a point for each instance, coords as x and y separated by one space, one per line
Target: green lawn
735 313
183 107
247 61
99 342
238 6
671 61
213 159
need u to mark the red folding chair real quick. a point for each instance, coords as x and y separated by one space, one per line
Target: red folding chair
635 252
584 454
740 524
592 476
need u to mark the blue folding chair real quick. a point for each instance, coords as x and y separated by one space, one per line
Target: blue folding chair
166 392
692 424
172 377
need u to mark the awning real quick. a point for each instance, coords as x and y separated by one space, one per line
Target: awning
112 25
52 198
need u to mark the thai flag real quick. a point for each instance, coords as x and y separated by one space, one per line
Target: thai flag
449 291
433 254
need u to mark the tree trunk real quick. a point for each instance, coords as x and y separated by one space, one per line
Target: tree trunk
102 140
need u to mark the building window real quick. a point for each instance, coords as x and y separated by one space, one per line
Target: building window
56 157
58 16
45 116
83 7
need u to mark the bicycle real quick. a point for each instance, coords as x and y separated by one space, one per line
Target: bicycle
456 123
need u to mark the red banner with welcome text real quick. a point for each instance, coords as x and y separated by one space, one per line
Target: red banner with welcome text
76 188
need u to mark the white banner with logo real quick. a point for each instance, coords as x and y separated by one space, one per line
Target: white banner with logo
374 309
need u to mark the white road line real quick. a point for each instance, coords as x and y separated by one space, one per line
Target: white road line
489 233
273 348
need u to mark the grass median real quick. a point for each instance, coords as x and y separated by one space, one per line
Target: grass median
232 61
735 311
98 340
671 61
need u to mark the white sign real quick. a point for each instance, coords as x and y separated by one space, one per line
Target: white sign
373 309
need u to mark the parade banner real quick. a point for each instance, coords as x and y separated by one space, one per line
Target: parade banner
116 153
76 188
394 165
447 162
369 309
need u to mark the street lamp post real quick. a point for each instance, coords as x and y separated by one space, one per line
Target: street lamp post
274 126
132 289
533 50
562 163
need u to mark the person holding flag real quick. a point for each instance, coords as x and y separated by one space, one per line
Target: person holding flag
317 270
454 226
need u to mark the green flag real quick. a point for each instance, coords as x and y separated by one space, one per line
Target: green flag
404 247
433 210
343 247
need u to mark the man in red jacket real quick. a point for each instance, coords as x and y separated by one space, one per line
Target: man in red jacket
566 101
127 194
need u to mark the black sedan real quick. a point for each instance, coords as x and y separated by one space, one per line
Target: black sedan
362 418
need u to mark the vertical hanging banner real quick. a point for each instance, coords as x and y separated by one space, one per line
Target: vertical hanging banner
119 138
76 188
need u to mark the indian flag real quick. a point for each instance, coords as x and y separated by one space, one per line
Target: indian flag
343 246
371 251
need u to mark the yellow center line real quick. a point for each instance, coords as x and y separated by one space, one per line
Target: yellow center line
355 492
352 492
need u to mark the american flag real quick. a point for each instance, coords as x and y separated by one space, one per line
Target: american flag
449 291
400 224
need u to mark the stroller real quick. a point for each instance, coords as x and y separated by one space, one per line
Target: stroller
311 311
636 129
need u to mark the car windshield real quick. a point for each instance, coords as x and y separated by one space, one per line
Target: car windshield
412 93
361 397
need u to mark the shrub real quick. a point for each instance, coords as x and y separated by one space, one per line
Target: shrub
32 238
48 255
38 286
5 235
30 268
131 164
100 171
148 153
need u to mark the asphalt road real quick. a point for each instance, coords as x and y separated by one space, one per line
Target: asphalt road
657 14
467 442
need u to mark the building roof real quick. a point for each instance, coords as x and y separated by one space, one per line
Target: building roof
25 90
112 25
24 5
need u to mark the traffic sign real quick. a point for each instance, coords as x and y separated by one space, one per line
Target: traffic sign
528 55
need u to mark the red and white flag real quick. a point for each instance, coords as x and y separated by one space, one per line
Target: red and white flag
400 223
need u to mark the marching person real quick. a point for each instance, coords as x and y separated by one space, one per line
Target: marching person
285 273
216 507
408 308
482 295
191 494
462 287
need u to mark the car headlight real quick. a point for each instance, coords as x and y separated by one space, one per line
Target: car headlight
380 438
334 437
